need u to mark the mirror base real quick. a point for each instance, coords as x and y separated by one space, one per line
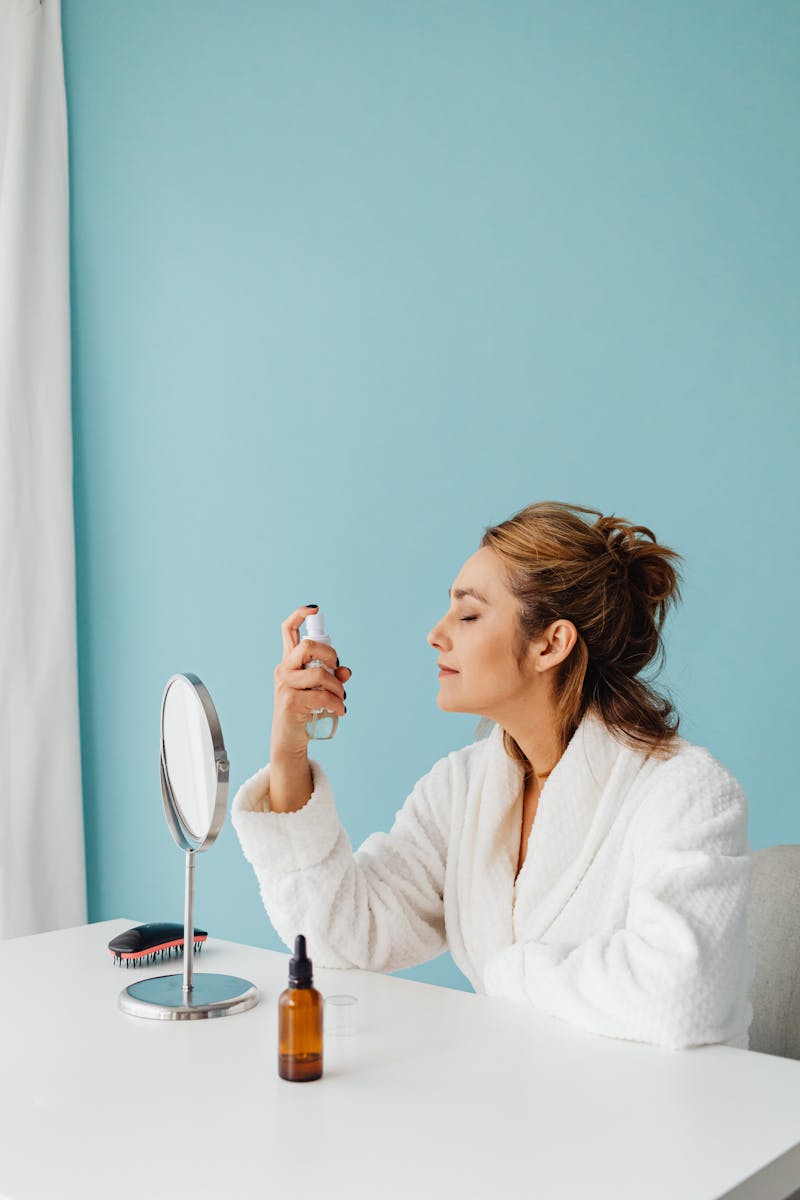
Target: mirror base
161 997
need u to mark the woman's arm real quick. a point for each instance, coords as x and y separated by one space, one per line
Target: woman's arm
380 908
678 973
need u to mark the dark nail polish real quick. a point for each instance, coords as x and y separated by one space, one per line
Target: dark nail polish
344 694
337 662
312 606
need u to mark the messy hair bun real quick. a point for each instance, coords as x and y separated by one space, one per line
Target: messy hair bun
615 583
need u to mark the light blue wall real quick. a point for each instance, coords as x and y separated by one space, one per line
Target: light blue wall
352 281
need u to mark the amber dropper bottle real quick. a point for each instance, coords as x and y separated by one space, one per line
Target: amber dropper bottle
300 1018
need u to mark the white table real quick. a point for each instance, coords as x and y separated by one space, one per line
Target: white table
442 1093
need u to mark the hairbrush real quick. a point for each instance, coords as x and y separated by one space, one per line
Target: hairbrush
145 943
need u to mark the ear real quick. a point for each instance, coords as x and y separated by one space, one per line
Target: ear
554 645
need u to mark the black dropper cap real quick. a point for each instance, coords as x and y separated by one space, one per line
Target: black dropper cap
300 967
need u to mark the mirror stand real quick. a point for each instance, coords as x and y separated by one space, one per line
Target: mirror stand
188 996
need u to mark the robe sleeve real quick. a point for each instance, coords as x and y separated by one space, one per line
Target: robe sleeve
678 973
380 908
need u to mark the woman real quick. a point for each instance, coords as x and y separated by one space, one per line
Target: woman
583 858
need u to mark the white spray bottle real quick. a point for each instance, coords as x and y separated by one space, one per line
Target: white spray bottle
321 722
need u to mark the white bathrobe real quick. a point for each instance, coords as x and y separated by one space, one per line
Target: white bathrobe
627 919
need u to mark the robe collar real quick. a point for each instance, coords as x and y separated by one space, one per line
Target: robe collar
578 804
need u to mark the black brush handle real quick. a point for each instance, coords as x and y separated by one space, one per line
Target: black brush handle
157 935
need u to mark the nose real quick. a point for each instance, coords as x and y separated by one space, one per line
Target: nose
435 636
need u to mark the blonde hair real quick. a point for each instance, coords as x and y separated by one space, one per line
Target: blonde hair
616 588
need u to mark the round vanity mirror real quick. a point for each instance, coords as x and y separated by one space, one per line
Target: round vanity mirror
194 788
194 765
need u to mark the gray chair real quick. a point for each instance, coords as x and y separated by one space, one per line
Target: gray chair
773 931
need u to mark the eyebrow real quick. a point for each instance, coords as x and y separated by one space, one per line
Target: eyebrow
460 593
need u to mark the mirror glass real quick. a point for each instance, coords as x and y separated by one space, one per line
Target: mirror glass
189 757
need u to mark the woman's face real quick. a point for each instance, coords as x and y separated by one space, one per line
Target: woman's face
475 639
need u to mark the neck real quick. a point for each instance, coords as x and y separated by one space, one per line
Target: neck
534 730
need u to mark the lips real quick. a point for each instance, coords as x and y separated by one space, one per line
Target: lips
446 670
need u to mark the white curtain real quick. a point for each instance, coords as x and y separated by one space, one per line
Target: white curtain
42 876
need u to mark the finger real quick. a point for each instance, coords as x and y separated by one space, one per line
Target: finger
314 679
290 628
343 673
307 649
305 703
326 701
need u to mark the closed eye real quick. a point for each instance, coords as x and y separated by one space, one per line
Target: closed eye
469 618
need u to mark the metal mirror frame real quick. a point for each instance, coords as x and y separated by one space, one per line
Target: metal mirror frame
191 996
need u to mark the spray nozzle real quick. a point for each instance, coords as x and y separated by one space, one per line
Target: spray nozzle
315 625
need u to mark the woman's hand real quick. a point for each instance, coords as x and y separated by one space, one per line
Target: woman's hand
299 691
